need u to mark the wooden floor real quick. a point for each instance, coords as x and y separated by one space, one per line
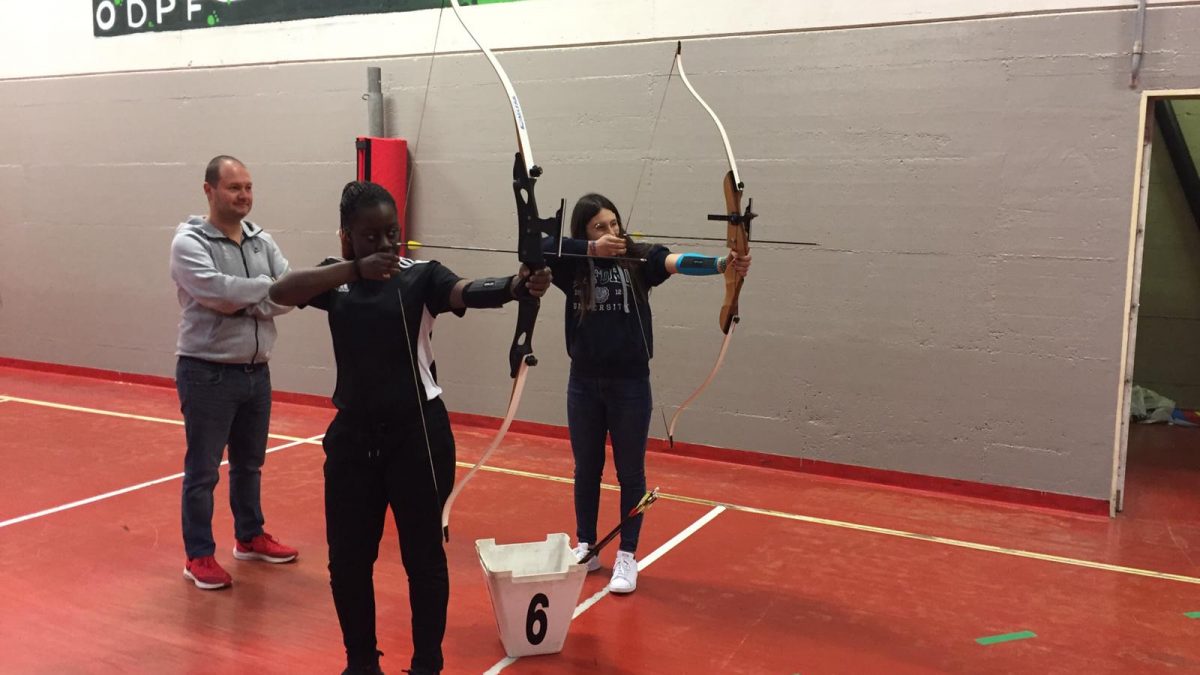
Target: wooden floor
793 573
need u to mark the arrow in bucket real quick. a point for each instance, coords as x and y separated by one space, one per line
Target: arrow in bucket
648 499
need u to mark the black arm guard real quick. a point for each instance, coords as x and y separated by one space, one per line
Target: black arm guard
488 293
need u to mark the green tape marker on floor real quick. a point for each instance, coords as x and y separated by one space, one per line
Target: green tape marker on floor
1007 637
1192 615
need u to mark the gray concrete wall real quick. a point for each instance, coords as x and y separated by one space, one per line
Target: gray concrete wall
969 181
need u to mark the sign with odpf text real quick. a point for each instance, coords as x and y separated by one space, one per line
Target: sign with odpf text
126 17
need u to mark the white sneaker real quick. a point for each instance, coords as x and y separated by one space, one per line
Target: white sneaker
624 578
581 549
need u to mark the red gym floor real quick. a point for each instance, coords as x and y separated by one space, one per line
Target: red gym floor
798 574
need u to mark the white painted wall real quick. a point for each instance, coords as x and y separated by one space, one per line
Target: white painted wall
54 37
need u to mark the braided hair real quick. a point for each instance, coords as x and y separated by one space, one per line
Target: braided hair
358 195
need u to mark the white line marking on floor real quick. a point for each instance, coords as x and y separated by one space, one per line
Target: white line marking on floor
132 488
128 416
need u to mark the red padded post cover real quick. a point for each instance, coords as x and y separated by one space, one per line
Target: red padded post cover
385 161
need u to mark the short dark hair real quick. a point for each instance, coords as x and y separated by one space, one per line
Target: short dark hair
212 174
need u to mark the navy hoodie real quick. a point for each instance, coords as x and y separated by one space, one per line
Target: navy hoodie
615 337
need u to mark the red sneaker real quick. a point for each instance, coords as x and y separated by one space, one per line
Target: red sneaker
264 547
206 573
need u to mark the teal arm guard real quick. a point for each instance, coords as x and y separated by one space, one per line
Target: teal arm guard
695 264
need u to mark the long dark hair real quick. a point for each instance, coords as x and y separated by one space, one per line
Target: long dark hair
585 209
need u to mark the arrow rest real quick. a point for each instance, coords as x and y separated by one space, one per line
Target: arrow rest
738 218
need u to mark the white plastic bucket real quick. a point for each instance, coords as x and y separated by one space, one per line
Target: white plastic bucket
534 589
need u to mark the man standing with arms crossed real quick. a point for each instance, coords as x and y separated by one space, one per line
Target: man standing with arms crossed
223 266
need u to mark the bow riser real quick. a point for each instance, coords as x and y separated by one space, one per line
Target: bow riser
532 230
737 238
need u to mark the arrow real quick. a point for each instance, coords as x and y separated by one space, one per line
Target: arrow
643 235
417 244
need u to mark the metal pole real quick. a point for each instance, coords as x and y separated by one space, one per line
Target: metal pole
1139 37
374 99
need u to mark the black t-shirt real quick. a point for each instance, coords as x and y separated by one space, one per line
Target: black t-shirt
368 325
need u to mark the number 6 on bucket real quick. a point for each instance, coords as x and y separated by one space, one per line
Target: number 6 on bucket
536 617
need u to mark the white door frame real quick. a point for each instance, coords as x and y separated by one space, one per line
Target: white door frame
1133 284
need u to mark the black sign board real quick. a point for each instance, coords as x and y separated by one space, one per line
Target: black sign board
126 17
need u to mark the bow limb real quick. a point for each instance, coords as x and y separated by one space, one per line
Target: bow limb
737 180
531 230
708 380
513 401
526 152
737 238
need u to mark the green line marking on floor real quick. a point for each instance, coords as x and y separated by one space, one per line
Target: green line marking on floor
1192 615
1006 637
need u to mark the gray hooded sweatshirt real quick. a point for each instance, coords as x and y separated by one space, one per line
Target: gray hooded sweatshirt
227 316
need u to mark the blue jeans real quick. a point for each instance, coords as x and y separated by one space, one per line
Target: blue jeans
620 408
222 405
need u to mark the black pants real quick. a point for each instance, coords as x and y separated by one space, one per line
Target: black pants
369 465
